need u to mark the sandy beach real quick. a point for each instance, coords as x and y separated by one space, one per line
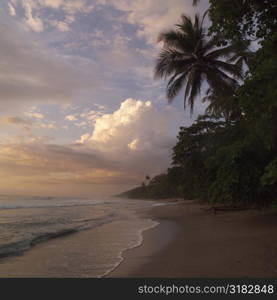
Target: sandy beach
193 242
190 241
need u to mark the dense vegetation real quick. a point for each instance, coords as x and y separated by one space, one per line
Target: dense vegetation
229 154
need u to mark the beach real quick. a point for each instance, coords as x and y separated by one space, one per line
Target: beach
235 244
166 239
72 238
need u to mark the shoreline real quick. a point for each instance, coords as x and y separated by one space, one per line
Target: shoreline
183 240
77 254
192 242
121 254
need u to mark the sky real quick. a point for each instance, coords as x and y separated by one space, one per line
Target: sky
80 112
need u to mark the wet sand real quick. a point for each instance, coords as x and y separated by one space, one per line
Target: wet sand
189 242
203 244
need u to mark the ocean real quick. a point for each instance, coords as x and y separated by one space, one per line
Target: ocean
90 235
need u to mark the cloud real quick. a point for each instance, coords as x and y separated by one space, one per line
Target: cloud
100 106
32 73
52 3
84 138
47 125
36 158
63 26
11 10
138 134
35 17
76 6
61 55
93 115
14 121
81 124
153 16
34 115
71 118
35 23
125 145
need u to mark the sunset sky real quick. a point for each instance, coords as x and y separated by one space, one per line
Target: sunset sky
80 112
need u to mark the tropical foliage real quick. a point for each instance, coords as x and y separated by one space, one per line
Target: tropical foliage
229 154
189 57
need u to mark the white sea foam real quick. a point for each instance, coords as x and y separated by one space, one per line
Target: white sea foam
135 245
106 229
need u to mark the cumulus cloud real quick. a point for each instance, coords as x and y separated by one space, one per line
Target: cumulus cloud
125 145
105 58
92 115
138 134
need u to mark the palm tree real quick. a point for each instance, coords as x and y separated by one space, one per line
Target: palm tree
219 106
189 57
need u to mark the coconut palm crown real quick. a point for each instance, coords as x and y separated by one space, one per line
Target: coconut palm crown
189 57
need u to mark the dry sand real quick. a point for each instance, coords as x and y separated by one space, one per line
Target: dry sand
193 242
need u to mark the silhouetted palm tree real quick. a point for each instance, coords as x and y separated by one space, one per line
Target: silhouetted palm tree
189 57
220 106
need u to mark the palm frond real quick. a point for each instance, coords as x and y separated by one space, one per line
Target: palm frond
211 44
196 23
219 81
169 62
170 36
186 26
221 52
204 17
189 57
241 55
175 86
233 69
239 63
177 40
222 106
196 81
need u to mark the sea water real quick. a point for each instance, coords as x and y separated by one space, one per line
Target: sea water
90 235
